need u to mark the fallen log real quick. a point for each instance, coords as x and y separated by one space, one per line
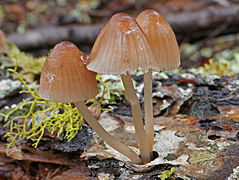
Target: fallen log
207 20
210 21
49 36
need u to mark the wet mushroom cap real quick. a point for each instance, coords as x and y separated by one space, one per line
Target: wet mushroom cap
161 38
120 47
64 77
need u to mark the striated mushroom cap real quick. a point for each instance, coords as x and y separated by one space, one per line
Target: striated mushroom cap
120 47
64 77
161 38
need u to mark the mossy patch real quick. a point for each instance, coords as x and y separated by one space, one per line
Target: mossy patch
30 66
167 174
204 158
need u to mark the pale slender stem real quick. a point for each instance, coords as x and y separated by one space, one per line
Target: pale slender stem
148 111
137 117
109 139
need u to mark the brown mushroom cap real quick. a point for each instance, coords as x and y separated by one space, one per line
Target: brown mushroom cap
64 77
120 47
161 38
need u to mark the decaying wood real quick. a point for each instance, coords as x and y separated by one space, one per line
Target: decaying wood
211 17
210 21
49 36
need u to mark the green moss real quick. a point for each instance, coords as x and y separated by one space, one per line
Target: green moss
30 66
167 174
215 68
222 64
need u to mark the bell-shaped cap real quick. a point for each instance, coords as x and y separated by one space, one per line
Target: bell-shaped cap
161 38
64 77
120 47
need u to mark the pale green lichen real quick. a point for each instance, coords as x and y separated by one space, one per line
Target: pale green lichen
205 159
40 116
201 156
112 85
32 118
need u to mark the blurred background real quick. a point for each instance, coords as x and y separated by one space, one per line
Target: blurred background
37 25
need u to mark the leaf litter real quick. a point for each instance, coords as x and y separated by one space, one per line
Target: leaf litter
196 131
202 127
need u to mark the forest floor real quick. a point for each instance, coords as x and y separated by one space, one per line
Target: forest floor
195 107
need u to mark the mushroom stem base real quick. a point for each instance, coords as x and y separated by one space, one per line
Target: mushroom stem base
109 139
148 111
137 117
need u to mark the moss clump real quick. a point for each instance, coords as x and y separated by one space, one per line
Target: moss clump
223 64
215 68
30 66
167 174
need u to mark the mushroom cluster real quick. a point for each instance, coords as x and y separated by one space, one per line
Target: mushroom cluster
123 46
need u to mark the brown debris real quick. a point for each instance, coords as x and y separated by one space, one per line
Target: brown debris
194 133
24 162
24 152
75 173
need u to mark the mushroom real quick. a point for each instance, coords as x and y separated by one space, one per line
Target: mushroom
64 78
121 48
165 48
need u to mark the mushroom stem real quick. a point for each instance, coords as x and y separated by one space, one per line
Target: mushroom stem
109 139
148 111
137 117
